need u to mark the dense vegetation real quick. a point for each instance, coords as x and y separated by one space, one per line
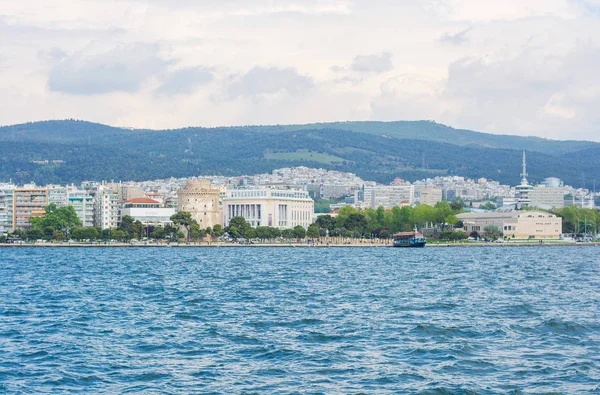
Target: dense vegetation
373 150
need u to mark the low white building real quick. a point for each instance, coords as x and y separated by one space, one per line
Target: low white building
280 208
147 211
515 224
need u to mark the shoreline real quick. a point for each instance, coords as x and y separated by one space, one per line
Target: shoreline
290 245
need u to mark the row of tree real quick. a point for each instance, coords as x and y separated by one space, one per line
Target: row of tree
62 223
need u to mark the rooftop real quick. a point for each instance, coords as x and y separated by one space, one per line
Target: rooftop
142 201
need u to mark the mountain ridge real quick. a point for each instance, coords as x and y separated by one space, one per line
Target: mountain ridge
379 151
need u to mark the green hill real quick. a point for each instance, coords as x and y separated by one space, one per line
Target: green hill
377 151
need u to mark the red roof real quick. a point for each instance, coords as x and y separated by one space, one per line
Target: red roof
142 200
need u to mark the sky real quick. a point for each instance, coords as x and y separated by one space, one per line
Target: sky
522 67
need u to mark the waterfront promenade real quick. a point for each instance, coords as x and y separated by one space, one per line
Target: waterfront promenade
291 244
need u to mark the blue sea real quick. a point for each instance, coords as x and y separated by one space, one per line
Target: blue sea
300 320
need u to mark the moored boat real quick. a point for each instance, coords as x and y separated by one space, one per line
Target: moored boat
409 239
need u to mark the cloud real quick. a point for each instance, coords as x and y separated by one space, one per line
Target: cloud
535 91
54 54
222 9
373 63
184 81
456 38
102 68
408 97
260 81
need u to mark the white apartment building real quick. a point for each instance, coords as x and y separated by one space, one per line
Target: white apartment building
388 196
83 204
57 194
6 208
106 208
280 208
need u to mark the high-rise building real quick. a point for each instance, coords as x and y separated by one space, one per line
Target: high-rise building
57 194
6 208
29 201
201 200
280 208
83 204
106 207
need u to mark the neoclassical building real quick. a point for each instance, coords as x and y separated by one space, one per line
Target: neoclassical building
201 199
280 208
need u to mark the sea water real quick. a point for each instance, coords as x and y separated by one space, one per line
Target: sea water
299 320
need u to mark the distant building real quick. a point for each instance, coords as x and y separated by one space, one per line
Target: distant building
201 200
57 194
388 196
515 224
6 208
106 208
546 197
280 208
553 182
125 192
508 202
329 191
29 201
524 189
147 211
83 204
430 196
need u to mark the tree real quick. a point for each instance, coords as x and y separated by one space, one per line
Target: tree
120 235
241 226
313 231
489 206
185 219
218 230
233 232
422 214
58 235
326 222
442 210
299 232
452 219
33 234
356 223
128 226
287 233
457 205
59 218
158 233
492 231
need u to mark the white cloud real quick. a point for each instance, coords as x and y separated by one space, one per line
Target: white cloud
184 81
373 63
517 66
261 81
102 68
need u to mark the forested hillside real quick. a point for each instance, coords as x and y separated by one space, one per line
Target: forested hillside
411 150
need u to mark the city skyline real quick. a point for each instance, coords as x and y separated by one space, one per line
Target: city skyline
523 68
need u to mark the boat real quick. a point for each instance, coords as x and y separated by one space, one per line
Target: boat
409 239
